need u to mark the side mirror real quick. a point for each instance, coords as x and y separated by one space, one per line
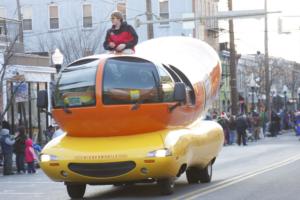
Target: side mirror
179 95
180 92
42 99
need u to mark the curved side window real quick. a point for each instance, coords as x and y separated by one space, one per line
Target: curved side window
190 89
166 84
76 85
129 80
173 74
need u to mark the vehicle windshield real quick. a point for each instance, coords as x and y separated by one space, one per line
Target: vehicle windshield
76 85
130 80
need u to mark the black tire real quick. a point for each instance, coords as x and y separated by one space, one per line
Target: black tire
76 191
195 174
166 186
192 175
205 174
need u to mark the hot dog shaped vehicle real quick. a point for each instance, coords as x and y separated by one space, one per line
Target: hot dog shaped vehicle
136 118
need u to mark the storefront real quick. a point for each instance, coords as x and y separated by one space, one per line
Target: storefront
19 94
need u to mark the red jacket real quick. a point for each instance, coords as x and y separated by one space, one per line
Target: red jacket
126 35
29 151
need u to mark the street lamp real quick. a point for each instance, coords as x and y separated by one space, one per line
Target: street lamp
57 59
252 85
285 90
273 93
298 92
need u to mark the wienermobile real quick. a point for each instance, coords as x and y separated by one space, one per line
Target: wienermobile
136 118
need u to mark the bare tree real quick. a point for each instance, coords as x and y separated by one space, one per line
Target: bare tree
75 42
8 54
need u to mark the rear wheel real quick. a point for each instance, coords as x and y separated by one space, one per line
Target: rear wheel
205 174
76 191
195 174
166 186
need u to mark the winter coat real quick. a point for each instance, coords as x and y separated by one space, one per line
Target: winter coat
232 124
241 124
29 151
6 141
125 35
19 146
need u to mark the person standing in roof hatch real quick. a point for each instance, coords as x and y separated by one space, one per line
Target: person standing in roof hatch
121 37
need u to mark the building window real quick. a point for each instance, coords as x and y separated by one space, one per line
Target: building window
164 11
87 16
53 17
2 21
27 18
121 6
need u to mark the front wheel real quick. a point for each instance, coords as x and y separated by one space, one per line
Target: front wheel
166 186
76 191
192 175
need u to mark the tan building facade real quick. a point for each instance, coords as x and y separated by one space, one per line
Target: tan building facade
206 29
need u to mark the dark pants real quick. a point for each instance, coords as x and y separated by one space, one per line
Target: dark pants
7 163
241 137
30 167
274 129
1 159
20 162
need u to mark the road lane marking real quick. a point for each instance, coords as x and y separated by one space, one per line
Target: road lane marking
16 182
19 193
237 179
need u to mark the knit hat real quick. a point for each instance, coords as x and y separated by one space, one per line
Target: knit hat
4 131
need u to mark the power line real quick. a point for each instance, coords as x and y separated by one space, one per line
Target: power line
10 20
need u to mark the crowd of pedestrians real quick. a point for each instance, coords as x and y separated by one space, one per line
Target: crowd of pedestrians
18 144
254 125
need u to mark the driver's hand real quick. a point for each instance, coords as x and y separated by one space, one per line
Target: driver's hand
112 45
121 47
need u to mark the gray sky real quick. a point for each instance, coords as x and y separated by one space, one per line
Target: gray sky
249 33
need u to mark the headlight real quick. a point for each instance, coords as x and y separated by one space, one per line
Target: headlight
47 158
160 153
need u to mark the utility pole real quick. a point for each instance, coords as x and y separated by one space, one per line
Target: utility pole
267 73
233 87
149 18
20 18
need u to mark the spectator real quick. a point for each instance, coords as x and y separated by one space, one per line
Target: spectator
7 142
49 133
223 121
30 156
19 149
256 125
121 37
275 124
241 126
232 129
297 123
263 121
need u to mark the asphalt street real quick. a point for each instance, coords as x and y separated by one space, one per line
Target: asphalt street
264 170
